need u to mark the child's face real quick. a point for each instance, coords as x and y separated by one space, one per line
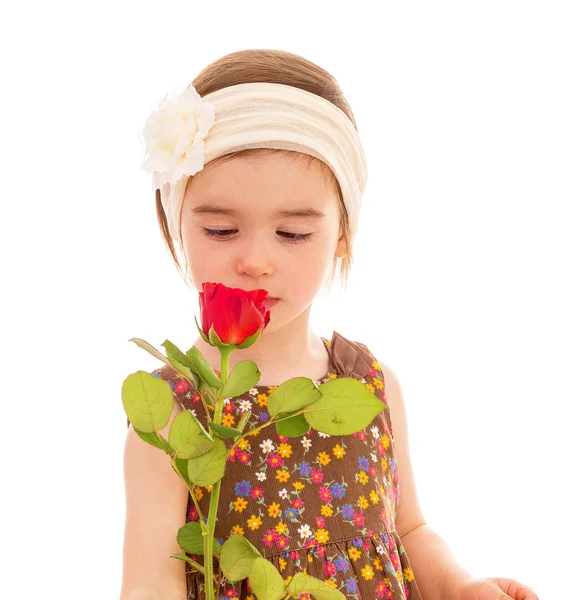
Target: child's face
256 251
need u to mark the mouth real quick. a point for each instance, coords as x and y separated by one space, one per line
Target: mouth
269 302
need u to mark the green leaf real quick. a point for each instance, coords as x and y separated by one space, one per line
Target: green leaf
216 341
174 352
292 427
250 340
182 467
190 538
203 368
203 429
244 375
293 395
346 406
185 436
204 387
180 361
150 349
244 420
237 557
182 370
265 580
208 468
151 438
301 583
147 400
196 379
223 431
187 559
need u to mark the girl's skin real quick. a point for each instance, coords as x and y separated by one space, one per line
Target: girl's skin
262 250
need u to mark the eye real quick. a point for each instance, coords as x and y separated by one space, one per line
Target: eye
297 237
225 233
217 233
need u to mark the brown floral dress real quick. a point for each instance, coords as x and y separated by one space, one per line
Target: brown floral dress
320 504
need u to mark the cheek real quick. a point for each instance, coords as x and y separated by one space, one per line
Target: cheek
306 272
204 263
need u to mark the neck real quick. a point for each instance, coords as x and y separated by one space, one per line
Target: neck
291 348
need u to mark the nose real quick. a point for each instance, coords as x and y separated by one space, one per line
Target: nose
255 258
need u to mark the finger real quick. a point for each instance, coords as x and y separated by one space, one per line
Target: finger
517 590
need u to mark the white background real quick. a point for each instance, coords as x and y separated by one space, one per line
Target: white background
469 279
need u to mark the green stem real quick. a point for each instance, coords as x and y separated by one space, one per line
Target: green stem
266 424
200 513
209 541
224 359
200 569
215 494
218 581
204 397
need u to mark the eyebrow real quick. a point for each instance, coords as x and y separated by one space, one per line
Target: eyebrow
213 209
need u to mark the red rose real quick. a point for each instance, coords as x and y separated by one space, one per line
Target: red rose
236 314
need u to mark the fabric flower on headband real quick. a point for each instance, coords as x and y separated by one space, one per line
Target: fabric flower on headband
174 137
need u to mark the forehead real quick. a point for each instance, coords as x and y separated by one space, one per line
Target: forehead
270 185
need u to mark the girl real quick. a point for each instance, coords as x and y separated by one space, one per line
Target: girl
259 172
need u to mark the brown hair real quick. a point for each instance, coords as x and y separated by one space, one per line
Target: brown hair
273 66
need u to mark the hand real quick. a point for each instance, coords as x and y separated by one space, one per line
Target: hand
495 588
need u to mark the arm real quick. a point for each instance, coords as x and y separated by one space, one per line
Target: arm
437 573
156 503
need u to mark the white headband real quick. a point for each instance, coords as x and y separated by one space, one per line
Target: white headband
188 131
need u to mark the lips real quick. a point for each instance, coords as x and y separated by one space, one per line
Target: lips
269 302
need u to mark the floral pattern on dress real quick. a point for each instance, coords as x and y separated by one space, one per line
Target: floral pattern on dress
320 504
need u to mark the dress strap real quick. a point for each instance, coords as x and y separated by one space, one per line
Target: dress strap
349 359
